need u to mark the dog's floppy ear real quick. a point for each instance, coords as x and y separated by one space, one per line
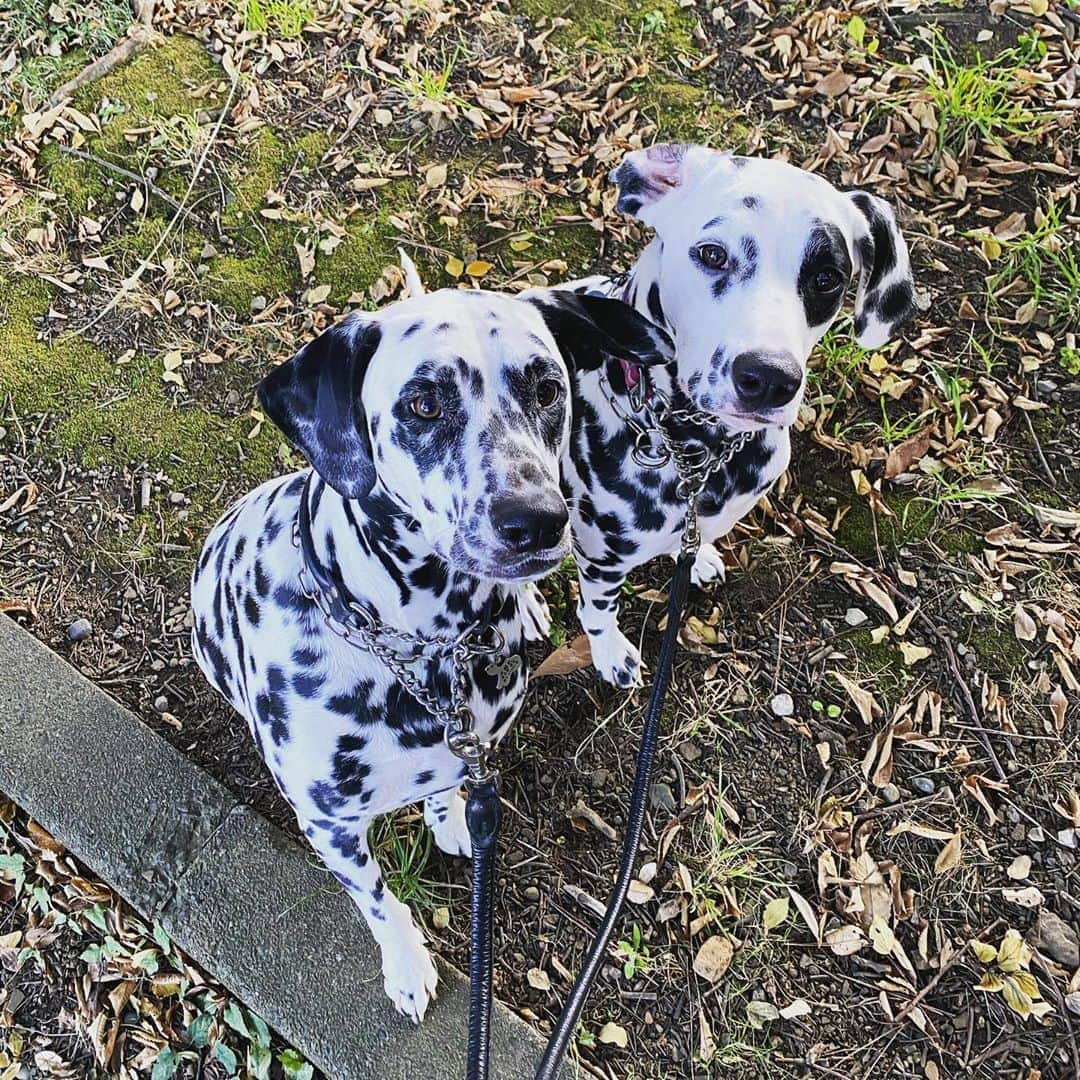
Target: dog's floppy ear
886 292
644 177
589 329
315 399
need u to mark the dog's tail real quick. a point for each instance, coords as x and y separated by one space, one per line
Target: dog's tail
412 275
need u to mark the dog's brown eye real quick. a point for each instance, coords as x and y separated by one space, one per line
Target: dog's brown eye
426 406
548 391
827 281
714 256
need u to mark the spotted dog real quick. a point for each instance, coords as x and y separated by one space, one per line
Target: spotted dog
434 430
747 269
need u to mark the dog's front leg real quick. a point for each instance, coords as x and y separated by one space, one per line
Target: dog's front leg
535 613
708 564
614 656
445 817
409 973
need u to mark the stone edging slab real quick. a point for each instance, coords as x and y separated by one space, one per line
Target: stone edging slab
244 901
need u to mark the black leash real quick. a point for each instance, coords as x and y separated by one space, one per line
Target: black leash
635 824
483 814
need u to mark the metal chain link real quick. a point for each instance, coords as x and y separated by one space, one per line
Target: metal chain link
365 632
694 464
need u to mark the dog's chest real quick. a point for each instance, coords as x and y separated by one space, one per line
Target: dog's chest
340 732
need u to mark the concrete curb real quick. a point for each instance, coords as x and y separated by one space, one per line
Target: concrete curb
239 897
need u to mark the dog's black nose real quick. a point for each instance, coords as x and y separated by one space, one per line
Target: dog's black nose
766 380
529 524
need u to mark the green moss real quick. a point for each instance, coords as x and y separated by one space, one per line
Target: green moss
153 91
117 413
998 648
158 84
663 26
912 520
956 540
593 20
370 245
688 113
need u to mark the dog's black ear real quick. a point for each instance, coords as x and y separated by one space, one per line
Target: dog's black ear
315 399
589 329
886 293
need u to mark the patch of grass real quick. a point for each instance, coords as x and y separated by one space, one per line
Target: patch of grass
404 852
423 87
93 27
287 18
1046 258
981 99
831 374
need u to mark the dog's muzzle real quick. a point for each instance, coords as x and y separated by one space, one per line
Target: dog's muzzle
765 380
529 525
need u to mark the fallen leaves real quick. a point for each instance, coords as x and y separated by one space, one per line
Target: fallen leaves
775 914
613 1034
948 857
714 957
1010 976
566 659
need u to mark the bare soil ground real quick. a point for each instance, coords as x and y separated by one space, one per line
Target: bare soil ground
871 752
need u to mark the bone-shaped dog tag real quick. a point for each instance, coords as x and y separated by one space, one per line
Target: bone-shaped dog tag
504 670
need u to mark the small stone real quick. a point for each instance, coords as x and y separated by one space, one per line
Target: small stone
177 498
599 778
1055 937
782 705
689 751
79 630
258 303
532 894
855 616
1036 835
890 793
923 785
161 704
661 797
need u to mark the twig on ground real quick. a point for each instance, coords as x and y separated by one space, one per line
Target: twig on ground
957 674
121 171
942 971
1038 447
119 54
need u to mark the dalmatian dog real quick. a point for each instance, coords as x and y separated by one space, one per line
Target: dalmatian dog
434 430
747 269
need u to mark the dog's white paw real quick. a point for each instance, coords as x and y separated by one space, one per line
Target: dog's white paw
410 977
708 565
535 613
616 659
452 832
